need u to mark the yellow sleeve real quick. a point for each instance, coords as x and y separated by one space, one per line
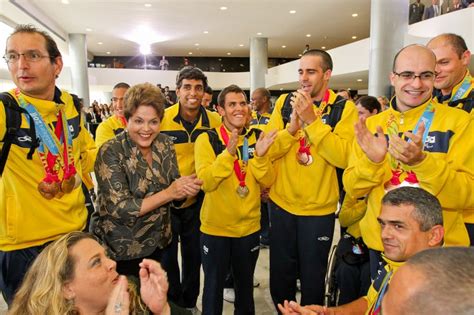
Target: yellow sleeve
210 169
451 179
334 146
352 211
3 124
88 150
262 170
104 133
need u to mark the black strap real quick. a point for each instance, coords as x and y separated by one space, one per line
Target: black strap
467 102
218 146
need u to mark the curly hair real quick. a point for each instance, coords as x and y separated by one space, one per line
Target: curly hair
42 289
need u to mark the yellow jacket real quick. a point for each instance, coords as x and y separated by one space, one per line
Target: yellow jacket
108 129
311 190
447 171
183 140
26 218
352 211
224 212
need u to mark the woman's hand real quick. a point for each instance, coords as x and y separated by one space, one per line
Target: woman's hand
185 186
154 287
119 300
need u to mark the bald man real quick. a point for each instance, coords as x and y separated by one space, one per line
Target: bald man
392 149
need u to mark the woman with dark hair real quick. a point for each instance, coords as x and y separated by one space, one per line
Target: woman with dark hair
368 106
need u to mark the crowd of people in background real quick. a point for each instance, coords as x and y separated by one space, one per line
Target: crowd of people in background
223 184
418 11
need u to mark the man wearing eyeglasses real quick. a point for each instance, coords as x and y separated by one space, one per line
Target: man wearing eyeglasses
115 124
416 142
40 188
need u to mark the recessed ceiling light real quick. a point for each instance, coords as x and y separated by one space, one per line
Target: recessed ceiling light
145 49
223 8
359 80
259 33
323 47
354 37
355 15
108 53
292 11
308 35
99 43
197 44
228 54
148 5
89 29
283 46
281 89
300 55
65 1
206 32
190 53
241 45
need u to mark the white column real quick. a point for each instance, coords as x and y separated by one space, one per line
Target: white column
388 26
79 74
258 62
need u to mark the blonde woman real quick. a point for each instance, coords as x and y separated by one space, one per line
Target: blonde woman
73 275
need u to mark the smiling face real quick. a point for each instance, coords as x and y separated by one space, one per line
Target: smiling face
94 277
190 94
144 126
312 77
117 101
450 67
36 79
235 111
411 93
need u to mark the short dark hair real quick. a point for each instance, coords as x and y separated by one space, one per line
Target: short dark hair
427 209
230 89
208 90
325 56
448 281
121 85
190 73
370 103
265 92
454 40
144 94
51 46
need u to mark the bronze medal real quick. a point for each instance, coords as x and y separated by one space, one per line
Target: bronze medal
48 190
67 185
242 191
310 160
303 158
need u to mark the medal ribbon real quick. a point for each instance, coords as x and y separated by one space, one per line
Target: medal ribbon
123 120
237 170
465 85
304 146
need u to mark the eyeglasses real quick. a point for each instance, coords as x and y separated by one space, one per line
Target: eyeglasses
30 56
411 76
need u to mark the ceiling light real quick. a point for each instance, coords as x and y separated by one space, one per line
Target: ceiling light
190 53
323 47
355 15
281 89
99 43
241 45
354 37
65 1
292 11
89 29
359 80
283 46
197 44
206 32
259 33
300 55
108 53
223 8
148 5
228 54
308 35
145 49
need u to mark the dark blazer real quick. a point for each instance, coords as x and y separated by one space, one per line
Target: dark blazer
416 12
430 13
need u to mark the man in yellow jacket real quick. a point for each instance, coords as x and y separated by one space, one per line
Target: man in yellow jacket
429 145
306 191
231 162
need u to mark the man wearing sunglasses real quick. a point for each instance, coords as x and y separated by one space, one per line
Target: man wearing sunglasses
416 142
49 147
116 123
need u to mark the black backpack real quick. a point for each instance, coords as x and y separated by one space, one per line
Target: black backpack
13 122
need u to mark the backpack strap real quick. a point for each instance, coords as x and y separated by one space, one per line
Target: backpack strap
216 144
336 111
286 110
13 122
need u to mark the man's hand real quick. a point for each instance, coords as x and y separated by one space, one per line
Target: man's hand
154 286
374 147
294 308
295 123
233 141
409 153
264 142
303 105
